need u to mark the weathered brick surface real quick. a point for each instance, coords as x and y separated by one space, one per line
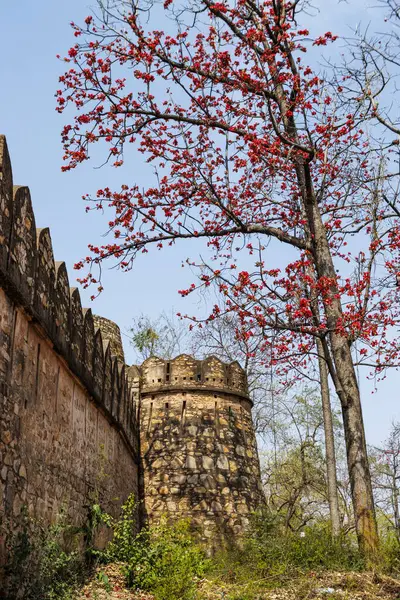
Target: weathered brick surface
53 431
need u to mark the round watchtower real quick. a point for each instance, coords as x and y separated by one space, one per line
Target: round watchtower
198 448
112 334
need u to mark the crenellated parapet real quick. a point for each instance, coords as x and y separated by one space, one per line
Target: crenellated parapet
186 373
90 345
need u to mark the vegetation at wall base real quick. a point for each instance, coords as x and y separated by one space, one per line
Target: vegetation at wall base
164 559
167 562
46 563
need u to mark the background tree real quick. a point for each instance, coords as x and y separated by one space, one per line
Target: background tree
250 148
295 474
386 480
225 339
329 436
164 337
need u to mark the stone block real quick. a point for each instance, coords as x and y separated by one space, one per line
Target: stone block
223 463
190 462
208 463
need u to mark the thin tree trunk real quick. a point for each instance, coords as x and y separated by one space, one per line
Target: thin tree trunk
329 443
357 459
395 500
330 454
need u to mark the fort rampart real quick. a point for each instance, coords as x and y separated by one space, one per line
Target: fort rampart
68 403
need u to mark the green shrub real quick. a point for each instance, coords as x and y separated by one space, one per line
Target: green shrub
167 562
45 563
124 538
270 556
60 569
312 548
390 552
164 559
318 551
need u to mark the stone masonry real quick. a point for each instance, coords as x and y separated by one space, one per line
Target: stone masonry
76 422
198 448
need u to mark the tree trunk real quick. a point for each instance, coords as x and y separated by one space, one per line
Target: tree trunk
341 366
395 500
343 375
356 448
329 443
357 458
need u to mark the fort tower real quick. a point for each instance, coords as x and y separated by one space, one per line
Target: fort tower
198 449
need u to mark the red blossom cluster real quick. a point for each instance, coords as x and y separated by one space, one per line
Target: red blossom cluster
229 115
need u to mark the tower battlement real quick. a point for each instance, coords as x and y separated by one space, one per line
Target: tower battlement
186 373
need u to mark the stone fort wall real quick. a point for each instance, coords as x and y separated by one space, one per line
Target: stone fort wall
199 453
68 403
76 421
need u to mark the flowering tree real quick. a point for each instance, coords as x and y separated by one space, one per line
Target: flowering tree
252 152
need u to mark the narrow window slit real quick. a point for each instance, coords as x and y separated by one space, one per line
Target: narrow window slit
37 378
150 418
242 419
183 413
57 386
216 416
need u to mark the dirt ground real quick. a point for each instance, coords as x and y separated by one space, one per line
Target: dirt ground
108 583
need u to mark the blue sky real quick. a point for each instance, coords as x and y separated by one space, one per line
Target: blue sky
32 34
